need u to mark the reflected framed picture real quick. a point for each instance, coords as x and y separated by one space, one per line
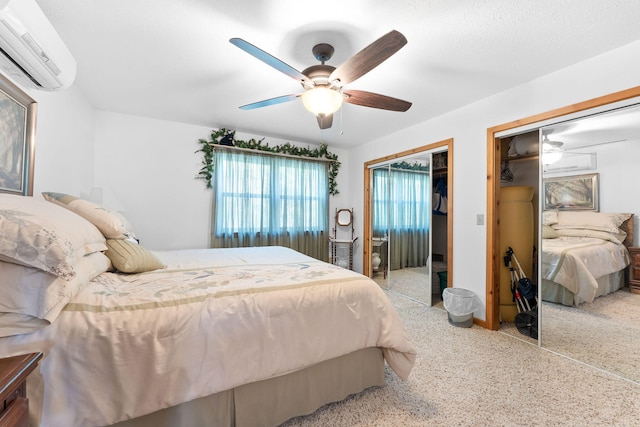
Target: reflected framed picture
17 134
576 192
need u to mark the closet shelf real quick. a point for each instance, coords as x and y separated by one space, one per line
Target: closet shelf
522 157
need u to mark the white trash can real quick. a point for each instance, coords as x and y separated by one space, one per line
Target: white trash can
460 305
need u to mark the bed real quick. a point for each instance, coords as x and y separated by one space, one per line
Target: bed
584 255
224 337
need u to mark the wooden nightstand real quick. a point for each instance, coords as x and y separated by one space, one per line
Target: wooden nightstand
14 371
634 271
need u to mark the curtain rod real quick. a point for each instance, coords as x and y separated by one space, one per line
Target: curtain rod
272 153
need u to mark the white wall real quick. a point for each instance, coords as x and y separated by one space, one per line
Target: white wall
150 165
617 167
619 177
64 142
611 72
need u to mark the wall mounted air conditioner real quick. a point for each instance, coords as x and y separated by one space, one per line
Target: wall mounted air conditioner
31 51
573 162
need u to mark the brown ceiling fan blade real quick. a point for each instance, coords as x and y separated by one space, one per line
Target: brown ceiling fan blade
271 101
268 59
375 100
325 122
369 58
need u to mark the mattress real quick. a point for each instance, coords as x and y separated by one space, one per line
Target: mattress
577 264
212 320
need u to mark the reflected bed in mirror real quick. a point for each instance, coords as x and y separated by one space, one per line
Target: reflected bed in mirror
580 261
590 314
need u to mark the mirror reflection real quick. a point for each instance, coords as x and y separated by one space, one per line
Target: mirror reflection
589 209
402 203
586 260
343 217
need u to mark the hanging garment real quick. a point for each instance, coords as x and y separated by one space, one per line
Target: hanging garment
439 199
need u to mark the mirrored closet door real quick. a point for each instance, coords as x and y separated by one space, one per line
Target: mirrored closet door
590 165
401 206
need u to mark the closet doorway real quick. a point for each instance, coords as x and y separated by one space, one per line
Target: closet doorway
410 255
494 155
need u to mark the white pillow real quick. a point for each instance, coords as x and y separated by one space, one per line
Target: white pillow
18 324
600 221
39 234
585 232
28 291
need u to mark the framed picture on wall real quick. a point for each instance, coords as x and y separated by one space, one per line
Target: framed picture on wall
17 133
576 192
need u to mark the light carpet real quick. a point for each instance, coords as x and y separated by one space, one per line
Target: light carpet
604 333
414 282
476 377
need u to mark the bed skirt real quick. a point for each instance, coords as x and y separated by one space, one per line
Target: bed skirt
554 292
273 401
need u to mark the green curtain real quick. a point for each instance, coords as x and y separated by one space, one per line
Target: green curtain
401 210
266 200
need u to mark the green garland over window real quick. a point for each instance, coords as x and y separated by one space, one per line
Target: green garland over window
411 166
207 148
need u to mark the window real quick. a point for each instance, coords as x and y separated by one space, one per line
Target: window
401 211
264 199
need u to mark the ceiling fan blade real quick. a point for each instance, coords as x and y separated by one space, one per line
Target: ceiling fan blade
375 100
268 59
271 101
369 57
325 122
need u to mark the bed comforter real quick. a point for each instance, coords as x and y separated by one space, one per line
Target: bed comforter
577 262
129 345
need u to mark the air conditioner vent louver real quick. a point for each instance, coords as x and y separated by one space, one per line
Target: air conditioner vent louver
33 54
14 70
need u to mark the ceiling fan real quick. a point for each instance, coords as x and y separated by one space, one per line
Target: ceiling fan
324 85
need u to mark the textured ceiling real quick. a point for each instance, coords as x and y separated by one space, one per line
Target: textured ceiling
172 60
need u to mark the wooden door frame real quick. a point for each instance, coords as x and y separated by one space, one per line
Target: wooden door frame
494 259
368 224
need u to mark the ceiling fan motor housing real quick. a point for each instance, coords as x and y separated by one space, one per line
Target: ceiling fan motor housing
328 81
318 76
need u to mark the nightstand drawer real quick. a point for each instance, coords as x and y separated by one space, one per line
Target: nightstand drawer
634 270
14 371
16 414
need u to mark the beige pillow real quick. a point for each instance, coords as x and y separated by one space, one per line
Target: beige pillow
129 257
549 217
600 221
548 232
110 223
36 233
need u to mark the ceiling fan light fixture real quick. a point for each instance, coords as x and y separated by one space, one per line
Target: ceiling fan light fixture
322 101
551 151
548 145
550 157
